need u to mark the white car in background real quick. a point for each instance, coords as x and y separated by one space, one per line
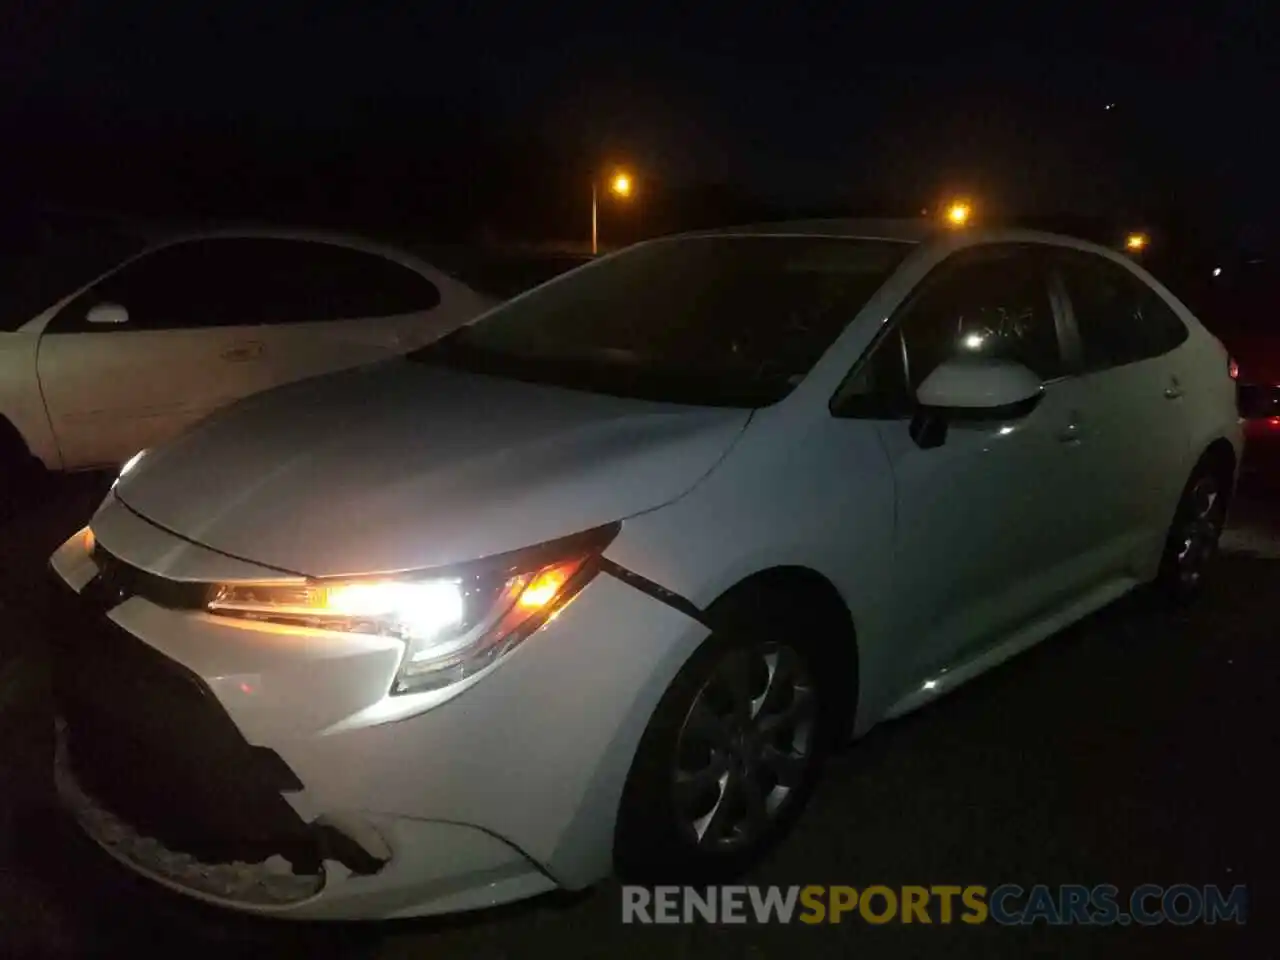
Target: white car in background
134 354
595 581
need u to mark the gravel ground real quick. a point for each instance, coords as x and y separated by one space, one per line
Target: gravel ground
1134 748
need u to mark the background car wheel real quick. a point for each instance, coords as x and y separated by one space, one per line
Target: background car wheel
732 753
1193 537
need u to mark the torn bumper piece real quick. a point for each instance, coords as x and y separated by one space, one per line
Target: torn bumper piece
435 868
272 882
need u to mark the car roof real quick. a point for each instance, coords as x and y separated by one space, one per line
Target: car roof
903 230
158 239
168 238
918 230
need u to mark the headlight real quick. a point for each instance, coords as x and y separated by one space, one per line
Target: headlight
453 622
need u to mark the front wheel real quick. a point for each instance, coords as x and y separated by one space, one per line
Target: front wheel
728 761
1193 537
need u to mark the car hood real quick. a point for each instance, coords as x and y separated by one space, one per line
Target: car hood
404 466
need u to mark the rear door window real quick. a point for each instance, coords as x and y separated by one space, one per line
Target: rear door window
1120 318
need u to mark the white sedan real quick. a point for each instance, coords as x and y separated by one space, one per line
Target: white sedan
596 581
132 355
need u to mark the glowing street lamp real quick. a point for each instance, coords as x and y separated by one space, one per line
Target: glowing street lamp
1136 242
620 185
958 213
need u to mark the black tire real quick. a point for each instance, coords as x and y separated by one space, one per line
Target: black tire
673 778
1192 543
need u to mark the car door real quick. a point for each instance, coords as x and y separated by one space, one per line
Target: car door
1130 388
983 542
146 351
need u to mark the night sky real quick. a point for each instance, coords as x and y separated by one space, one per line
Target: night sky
800 103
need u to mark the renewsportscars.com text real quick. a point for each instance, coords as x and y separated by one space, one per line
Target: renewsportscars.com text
1008 904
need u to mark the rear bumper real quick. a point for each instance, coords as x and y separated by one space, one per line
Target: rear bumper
269 769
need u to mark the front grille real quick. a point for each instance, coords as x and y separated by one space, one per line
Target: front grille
150 742
117 581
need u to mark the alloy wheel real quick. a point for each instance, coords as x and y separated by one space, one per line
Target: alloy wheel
745 747
1197 537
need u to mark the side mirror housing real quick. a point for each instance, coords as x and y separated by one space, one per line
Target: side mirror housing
979 385
107 314
978 389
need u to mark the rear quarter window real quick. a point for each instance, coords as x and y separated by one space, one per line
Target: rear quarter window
1120 318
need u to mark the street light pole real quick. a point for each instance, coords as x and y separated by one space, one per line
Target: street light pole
620 186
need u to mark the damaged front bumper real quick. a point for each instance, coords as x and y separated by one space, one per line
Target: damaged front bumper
247 745
159 775
270 883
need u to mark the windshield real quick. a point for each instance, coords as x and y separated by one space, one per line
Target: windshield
733 321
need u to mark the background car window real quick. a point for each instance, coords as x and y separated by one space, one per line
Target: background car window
42 260
1120 318
253 281
995 305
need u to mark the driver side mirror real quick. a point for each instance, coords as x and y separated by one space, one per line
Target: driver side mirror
972 390
107 314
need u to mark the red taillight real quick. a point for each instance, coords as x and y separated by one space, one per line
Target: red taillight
1233 368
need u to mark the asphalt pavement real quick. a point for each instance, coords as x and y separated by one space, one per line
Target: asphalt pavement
1137 747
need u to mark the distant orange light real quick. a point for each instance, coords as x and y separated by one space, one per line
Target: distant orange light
546 586
958 214
621 185
1136 242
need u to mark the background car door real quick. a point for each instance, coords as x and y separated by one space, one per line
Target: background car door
983 528
171 356
208 321
1131 389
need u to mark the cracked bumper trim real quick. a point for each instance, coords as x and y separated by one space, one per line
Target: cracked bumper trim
657 591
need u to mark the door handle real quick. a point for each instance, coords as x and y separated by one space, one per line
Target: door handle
242 352
1174 390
